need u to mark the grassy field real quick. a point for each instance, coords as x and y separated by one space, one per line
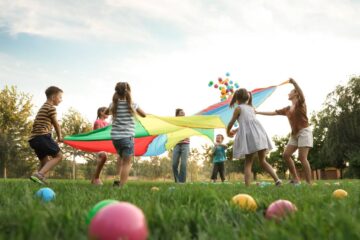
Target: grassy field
191 211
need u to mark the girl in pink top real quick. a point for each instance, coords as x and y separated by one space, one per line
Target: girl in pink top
102 157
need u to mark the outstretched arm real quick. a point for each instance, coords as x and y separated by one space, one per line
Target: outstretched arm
232 121
140 112
298 89
266 113
57 128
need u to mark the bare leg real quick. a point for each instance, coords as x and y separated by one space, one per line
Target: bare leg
125 169
43 162
51 164
266 166
247 168
100 164
303 153
289 150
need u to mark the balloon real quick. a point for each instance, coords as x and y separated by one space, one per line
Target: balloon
339 193
121 220
97 208
216 86
220 80
211 83
228 74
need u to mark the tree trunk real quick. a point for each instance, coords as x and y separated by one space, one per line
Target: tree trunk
74 166
254 174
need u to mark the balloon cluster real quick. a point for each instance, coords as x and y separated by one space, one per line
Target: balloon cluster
226 87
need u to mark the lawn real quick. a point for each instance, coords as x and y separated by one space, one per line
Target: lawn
190 211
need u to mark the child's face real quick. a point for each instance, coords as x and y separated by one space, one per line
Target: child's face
57 98
181 113
103 114
219 138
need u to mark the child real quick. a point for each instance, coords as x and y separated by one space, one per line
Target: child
102 157
251 137
123 111
181 152
219 158
41 140
301 134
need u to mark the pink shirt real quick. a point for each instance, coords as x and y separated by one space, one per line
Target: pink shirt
99 123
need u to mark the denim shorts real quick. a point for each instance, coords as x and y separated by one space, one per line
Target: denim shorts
124 146
44 145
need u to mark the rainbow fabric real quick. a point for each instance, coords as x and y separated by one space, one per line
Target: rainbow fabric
154 135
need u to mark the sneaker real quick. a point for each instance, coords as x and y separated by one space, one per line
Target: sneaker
38 178
278 183
97 181
116 183
294 183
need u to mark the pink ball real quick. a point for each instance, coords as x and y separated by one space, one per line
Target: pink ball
119 221
280 209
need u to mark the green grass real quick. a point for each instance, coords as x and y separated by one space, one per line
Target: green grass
191 211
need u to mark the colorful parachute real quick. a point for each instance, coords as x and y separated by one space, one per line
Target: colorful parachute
154 135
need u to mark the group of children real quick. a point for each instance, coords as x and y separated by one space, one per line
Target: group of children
250 136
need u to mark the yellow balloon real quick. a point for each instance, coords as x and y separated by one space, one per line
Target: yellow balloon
245 201
339 193
223 91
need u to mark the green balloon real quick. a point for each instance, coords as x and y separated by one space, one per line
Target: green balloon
97 208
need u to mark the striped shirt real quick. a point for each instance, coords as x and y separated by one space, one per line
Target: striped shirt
123 125
43 120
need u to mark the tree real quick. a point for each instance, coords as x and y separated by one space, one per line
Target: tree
337 128
17 158
74 123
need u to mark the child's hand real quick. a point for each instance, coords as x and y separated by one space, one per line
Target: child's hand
292 81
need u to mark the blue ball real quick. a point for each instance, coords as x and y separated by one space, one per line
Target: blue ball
45 194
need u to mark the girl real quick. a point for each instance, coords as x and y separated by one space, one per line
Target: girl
219 157
102 157
123 111
181 151
251 137
301 134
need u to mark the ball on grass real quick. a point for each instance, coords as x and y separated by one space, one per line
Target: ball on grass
155 189
97 208
340 193
121 220
245 201
45 194
279 209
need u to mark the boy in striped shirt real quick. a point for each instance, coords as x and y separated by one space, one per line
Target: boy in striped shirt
46 149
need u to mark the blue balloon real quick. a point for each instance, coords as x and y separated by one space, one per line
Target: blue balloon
45 194
227 74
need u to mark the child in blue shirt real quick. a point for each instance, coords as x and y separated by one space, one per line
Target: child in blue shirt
219 158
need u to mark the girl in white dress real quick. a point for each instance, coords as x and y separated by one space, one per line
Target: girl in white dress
250 137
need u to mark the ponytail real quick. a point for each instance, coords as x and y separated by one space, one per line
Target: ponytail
122 90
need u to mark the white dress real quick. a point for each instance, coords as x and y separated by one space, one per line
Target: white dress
251 136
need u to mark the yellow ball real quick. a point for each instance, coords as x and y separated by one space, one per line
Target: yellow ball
155 189
245 201
339 193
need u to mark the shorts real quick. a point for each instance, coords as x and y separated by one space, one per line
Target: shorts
44 145
304 138
124 146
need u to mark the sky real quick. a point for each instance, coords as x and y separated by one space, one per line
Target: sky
168 50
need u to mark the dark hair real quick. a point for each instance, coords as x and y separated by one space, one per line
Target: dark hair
250 99
222 136
122 90
50 91
177 111
99 111
241 95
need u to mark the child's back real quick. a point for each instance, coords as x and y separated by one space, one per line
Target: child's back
251 136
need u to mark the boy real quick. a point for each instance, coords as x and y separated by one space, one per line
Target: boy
219 157
41 140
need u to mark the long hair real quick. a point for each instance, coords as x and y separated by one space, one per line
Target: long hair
250 99
122 90
177 111
99 111
241 96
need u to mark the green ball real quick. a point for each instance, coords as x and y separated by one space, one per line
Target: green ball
97 208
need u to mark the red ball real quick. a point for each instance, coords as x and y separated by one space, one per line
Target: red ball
119 221
280 209
216 86
220 80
